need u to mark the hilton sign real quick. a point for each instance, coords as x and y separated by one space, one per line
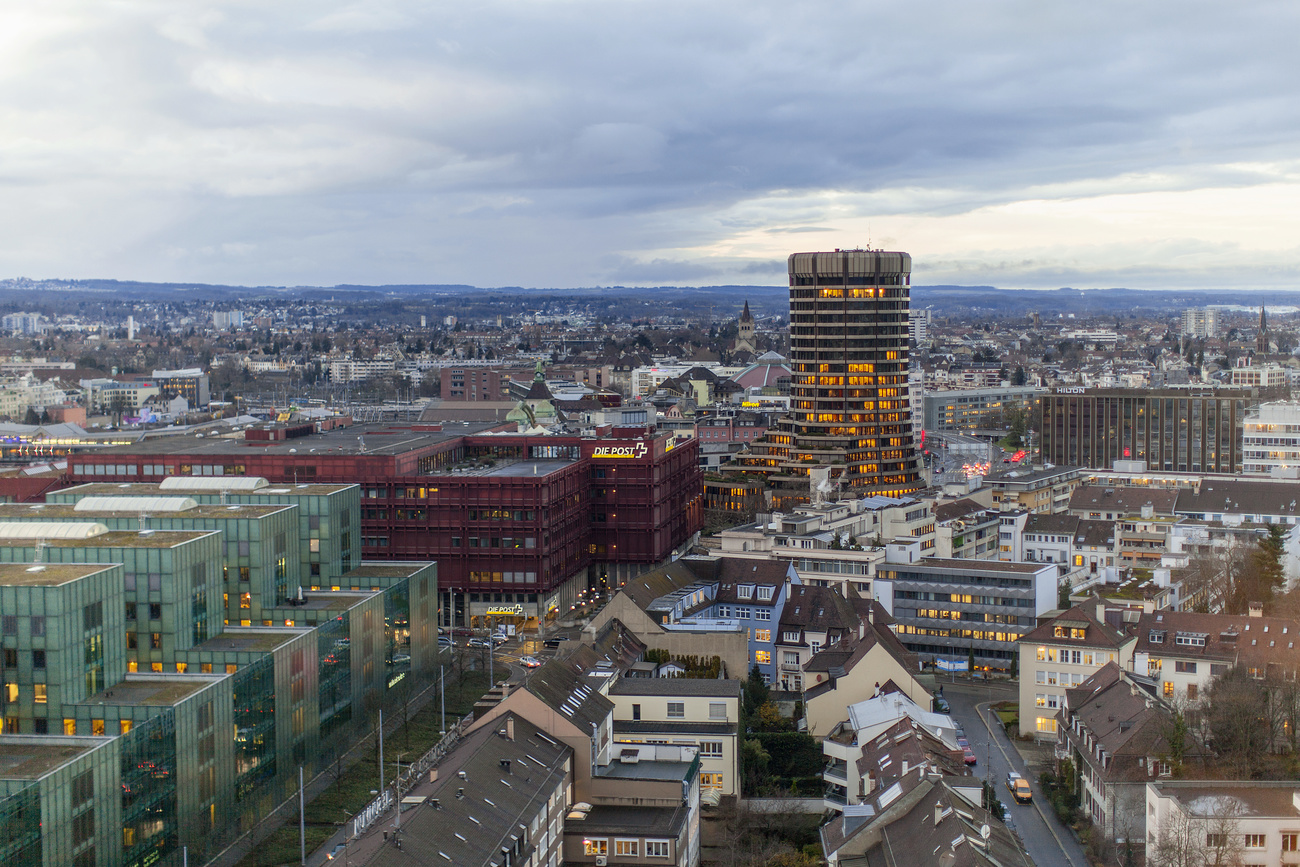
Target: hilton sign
637 451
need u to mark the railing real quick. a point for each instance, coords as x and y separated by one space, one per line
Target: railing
408 779
836 774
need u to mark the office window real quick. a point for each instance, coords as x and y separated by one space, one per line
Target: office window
636 712
38 625
625 847
1184 667
711 749
1254 841
676 710
762 657
656 848
38 659
40 693
595 847
1291 842
762 635
1046 725
717 710
1168 688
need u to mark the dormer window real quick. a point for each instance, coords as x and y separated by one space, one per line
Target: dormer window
790 636
1157 636
744 591
765 594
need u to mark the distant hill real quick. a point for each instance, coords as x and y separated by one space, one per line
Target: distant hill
764 300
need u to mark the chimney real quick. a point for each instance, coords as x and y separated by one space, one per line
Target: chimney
1101 611
510 728
1255 609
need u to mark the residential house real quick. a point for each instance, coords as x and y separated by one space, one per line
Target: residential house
703 713
1061 653
1252 823
812 618
1183 651
867 664
1115 731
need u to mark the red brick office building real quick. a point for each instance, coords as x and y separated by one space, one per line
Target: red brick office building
522 524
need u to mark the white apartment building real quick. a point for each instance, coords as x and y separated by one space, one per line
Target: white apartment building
357 370
1270 439
1264 376
684 712
1061 654
1200 322
1223 822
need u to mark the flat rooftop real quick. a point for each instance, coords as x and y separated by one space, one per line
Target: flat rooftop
30 758
151 691
149 489
966 565
644 770
250 640
386 570
118 539
380 439
330 600
68 512
630 821
518 469
47 574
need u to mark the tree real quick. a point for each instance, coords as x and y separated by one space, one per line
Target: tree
757 692
1189 840
1019 377
1237 714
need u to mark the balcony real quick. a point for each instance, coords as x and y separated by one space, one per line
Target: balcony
834 799
836 774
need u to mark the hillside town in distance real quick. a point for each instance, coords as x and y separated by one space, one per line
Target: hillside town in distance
846 572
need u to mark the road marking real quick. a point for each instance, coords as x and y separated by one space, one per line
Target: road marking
980 709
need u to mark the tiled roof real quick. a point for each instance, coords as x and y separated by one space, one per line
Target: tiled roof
1096 633
477 815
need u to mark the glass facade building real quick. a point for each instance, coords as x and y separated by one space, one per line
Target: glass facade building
1194 430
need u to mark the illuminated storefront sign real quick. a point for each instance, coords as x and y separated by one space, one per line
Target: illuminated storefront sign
639 451
506 611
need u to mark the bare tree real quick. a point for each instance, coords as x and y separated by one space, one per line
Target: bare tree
1185 840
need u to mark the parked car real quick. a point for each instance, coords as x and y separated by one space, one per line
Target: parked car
478 642
941 705
445 641
1019 788
400 659
968 755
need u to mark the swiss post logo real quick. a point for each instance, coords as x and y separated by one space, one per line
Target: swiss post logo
637 451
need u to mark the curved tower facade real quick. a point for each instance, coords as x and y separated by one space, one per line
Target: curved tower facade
850 420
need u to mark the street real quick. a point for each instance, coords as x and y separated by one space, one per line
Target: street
1048 842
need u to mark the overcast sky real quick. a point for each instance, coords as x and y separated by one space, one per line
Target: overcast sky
602 142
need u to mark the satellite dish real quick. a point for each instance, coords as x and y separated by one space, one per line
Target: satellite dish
985 831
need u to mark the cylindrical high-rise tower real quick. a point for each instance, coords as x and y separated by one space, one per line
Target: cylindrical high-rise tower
849 407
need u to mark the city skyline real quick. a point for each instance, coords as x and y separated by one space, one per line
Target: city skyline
638 144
